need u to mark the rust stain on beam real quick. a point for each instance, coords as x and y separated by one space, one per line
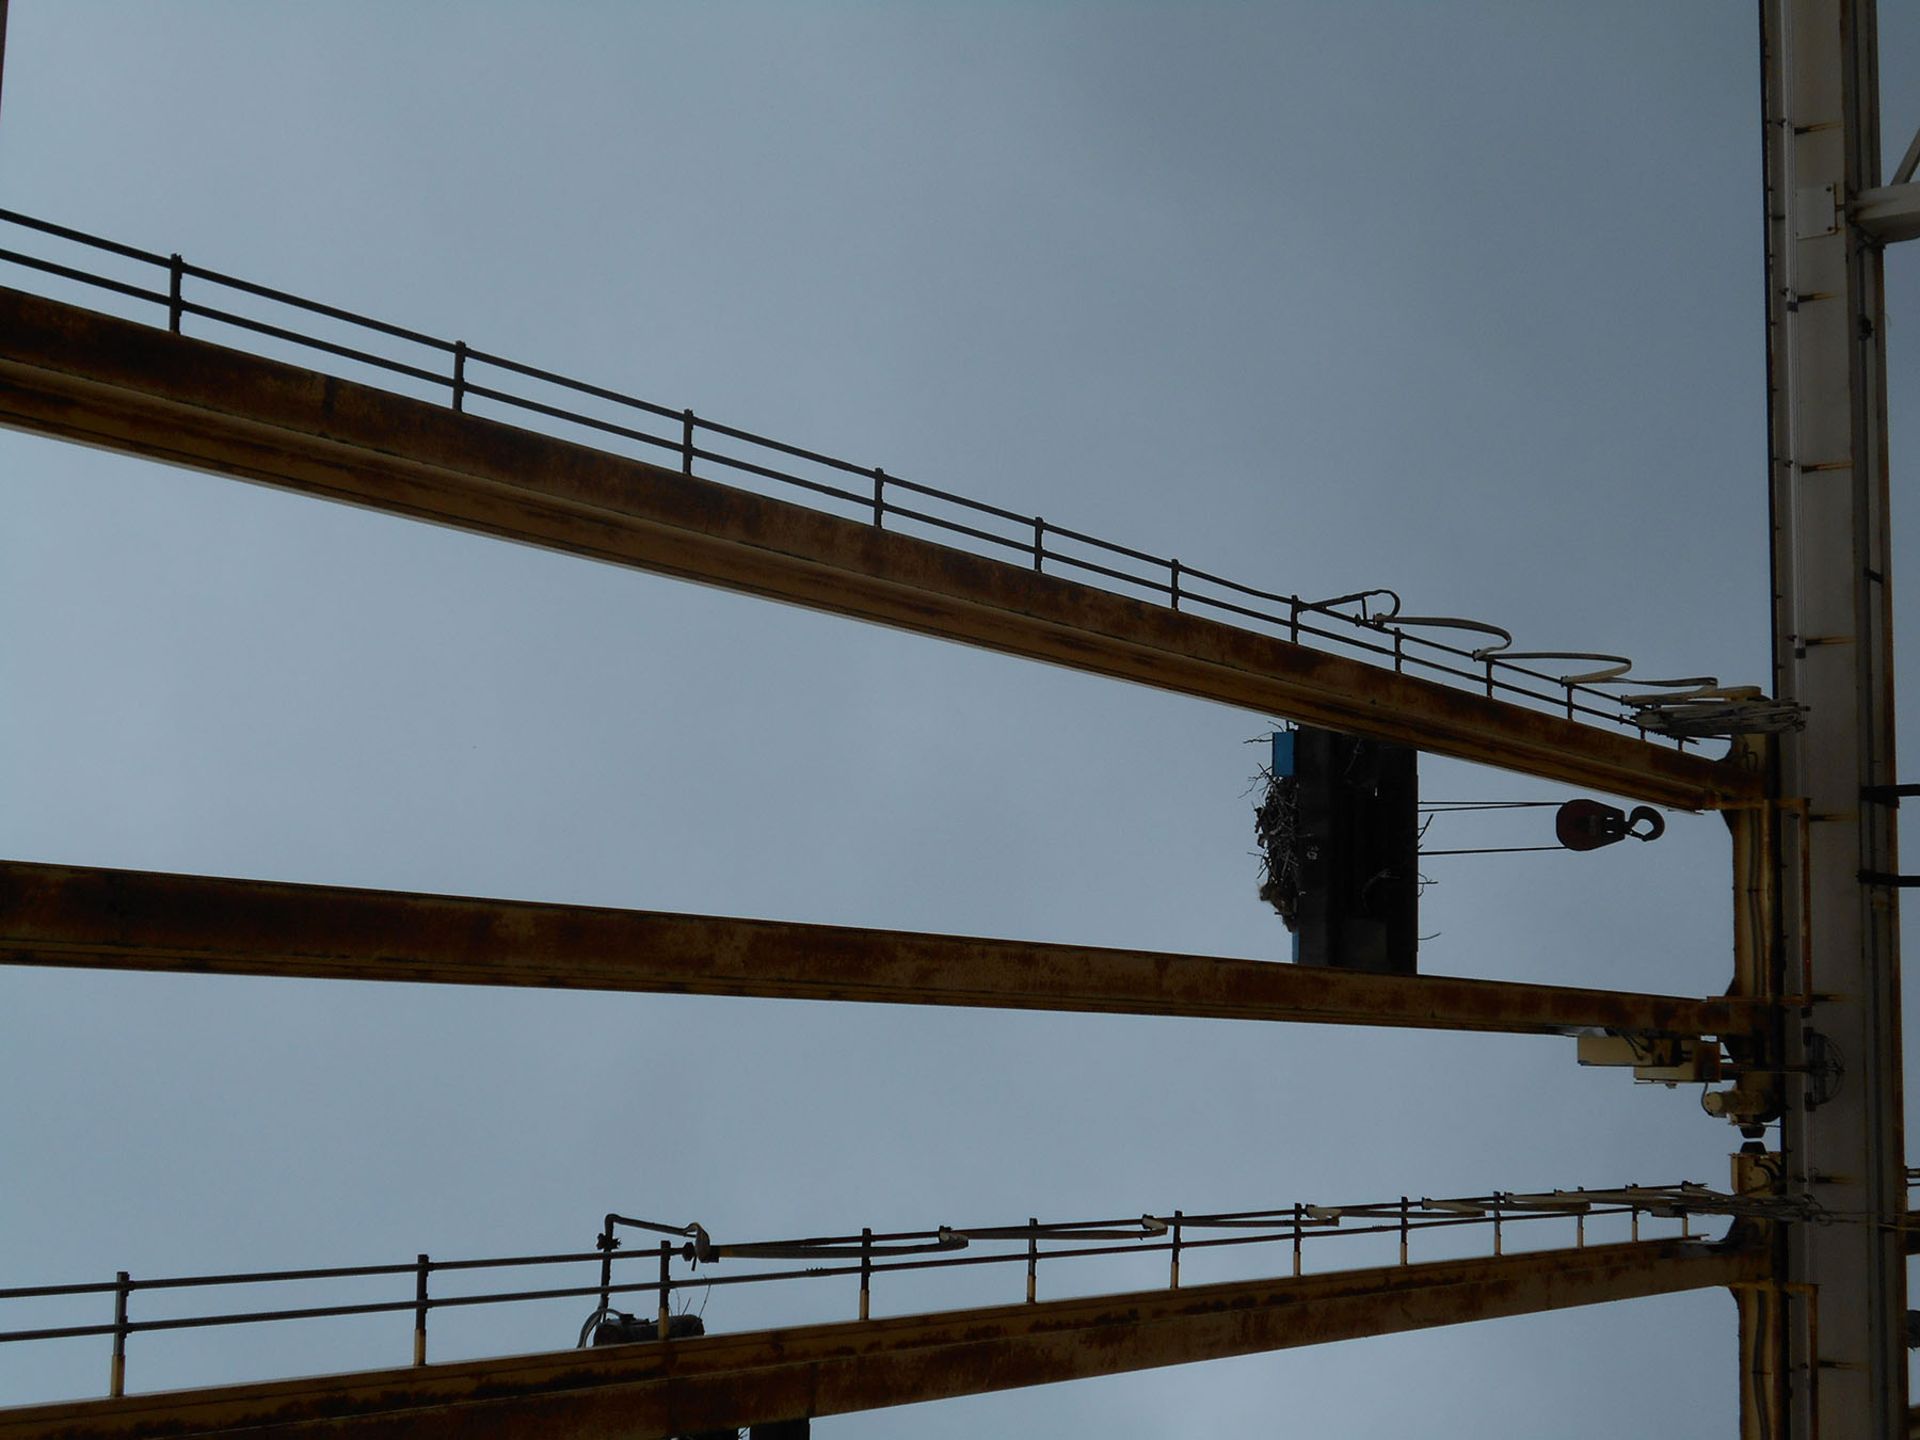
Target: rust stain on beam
79 375
135 920
637 1392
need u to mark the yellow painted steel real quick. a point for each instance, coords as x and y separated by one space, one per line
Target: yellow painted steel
137 920
79 375
646 1390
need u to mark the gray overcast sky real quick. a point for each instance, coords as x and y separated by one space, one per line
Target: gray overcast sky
1462 298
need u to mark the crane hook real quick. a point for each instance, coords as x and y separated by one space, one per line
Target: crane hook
1589 824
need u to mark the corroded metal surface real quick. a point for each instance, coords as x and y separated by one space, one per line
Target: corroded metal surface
649 1390
136 920
83 376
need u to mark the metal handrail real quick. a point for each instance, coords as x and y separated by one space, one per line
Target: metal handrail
869 1253
1158 579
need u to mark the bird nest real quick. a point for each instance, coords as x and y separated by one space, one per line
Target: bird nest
1276 822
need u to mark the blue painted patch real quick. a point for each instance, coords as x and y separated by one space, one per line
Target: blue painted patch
1283 752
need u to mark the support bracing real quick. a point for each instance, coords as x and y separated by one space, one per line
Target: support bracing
134 920
647 1390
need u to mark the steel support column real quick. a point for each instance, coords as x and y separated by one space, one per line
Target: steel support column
134 920
642 1391
1841 1133
79 375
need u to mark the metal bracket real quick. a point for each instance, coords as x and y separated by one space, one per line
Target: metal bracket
1654 1059
1888 794
1825 1069
1888 213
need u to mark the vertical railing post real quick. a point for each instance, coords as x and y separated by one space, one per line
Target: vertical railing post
420 1310
459 375
1296 1238
606 1245
866 1270
1403 1229
1633 1209
1489 663
879 498
1173 567
176 272
1173 1278
1580 1227
1033 1259
686 442
1293 619
1497 1238
1039 541
1399 651
666 1287
117 1374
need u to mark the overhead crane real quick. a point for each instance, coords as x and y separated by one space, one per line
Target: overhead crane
1816 879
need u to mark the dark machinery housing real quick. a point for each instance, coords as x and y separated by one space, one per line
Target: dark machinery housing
615 1327
1339 835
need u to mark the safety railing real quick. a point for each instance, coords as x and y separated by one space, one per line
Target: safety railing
864 1256
679 438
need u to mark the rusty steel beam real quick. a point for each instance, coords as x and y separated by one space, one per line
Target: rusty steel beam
647 1390
68 915
79 375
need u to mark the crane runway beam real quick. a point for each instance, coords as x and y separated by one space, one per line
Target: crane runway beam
642 1391
80 375
65 915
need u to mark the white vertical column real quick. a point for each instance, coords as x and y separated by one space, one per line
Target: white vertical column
1833 653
